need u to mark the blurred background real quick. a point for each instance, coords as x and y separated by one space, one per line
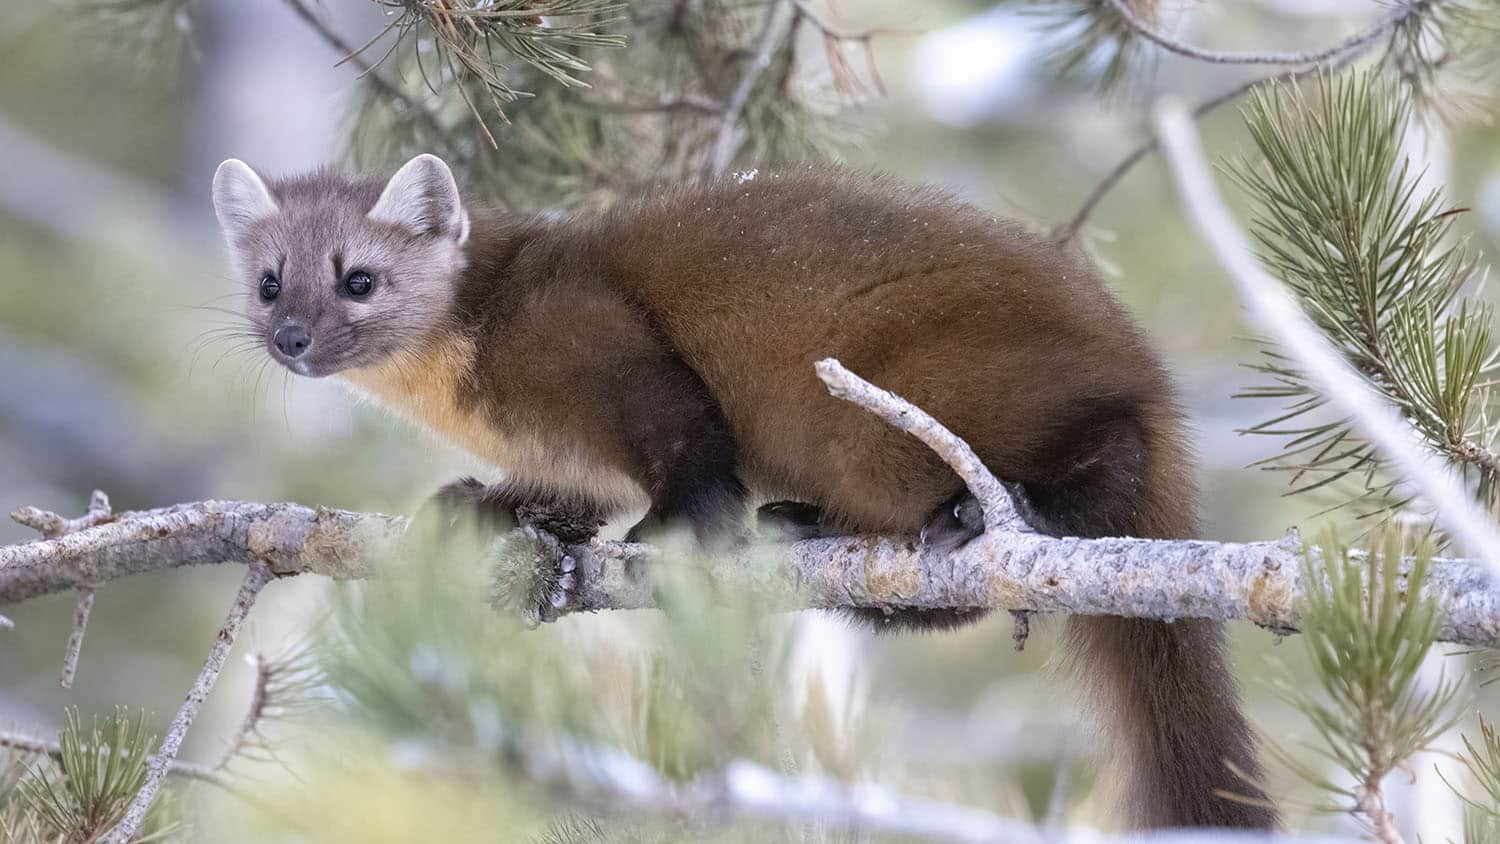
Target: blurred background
112 277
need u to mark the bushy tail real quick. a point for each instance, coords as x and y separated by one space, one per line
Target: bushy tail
1170 701
1163 688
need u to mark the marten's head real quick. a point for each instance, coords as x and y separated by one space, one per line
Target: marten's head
342 273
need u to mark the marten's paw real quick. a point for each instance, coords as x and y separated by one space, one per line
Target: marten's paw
535 575
790 521
954 524
498 508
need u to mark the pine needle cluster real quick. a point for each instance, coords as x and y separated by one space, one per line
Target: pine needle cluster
1375 258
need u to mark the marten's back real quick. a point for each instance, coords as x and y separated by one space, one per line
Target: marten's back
1010 339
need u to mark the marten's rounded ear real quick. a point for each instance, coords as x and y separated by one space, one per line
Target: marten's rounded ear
423 197
240 198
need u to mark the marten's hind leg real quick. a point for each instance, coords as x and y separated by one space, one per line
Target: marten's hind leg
950 527
792 521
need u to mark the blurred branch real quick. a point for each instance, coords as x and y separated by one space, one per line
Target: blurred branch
52 526
255 580
727 139
1256 581
71 413
1357 41
69 195
1331 59
615 779
1281 316
392 92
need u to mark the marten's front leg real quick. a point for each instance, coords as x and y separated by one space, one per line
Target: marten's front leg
682 450
497 508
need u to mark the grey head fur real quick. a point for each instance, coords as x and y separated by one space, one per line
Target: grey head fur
305 237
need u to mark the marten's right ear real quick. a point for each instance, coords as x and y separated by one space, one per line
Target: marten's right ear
240 198
423 197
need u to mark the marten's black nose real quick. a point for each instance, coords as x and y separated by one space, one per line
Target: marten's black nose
292 339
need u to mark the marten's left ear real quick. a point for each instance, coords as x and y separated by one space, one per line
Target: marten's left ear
423 197
240 198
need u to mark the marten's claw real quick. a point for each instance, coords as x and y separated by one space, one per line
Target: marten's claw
535 575
954 524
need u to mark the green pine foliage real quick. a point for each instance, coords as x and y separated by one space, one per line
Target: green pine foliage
612 120
1480 787
83 793
1377 262
1446 55
1367 636
1094 41
425 671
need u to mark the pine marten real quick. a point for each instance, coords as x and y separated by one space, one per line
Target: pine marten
659 356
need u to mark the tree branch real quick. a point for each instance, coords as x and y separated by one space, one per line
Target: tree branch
53 750
1255 581
288 538
1332 59
742 789
52 526
161 764
727 140
1280 315
1359 40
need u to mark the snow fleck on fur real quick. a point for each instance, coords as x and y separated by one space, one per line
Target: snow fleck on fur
743 176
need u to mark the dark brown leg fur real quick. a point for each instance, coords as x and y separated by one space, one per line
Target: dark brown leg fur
496 508
791 521
685 456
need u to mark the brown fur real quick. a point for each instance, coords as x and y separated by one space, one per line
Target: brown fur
663 352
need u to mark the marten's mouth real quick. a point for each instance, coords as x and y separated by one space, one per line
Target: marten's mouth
306 366
302 367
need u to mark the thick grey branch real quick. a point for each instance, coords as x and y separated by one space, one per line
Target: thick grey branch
288 538
1256 581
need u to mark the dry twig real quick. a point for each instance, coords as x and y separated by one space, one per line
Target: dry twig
256 578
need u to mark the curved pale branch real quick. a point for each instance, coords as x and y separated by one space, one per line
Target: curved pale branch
1281 316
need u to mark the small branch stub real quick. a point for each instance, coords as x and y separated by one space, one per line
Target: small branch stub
52 526
81 612
1020 628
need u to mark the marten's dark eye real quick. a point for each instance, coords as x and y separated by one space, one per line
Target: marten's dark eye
270 288
358 283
